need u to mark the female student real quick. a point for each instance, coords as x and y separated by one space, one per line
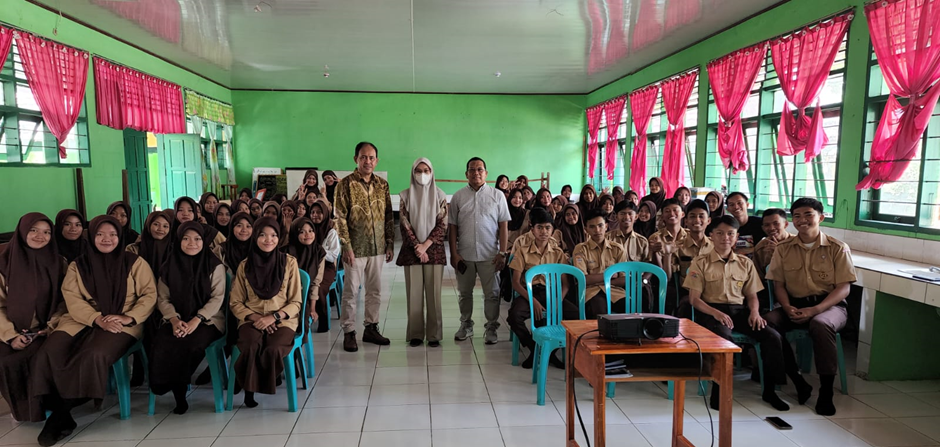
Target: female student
185 207
558 204
271 209
154 245
587 201
311 258
716 204
423 224
208 202
606 204
329 181
657 194
566 191
646 219
632 196
683 195
31 272
222 216
235 249
570 230
517 213
618 195
108 293
245 194
70 238
255 207
502 184
240 206
310 198
326 235
302 209
308 186
529 196
122 212
266 300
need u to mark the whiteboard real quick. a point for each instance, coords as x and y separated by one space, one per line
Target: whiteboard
296 175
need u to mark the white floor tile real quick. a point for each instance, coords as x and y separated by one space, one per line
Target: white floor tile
326 439
401 375
439 357
820 433
397 417
330 420
547 436
252 441
467 437
103 443
619 435
930 398
455 374
111 428
191 425
251 421
645 411
399 395
884 432
182 442
520 414
899 405
346 376
455 393
849 407
915 386
339 396
612 413
403 438
659 434
757 433
473 415
407 358
929 426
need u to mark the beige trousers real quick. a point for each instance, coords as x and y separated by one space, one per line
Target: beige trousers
365 272
423 287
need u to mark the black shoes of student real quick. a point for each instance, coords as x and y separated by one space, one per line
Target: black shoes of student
415 342
372 335
824 405
434 344
770 396
250 401
527 363
803 391
349 342
58 427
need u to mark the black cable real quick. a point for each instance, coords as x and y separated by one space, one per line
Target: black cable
574 393
698 385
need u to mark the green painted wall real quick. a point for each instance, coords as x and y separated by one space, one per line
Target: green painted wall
903 331
52 188
514 134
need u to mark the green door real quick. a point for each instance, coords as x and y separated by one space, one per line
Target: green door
181 165
138 176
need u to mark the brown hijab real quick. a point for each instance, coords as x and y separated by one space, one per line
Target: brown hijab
656 198
189 277
209 216
308 256
105 274
323 228
265 271
649 227
260 203
571 235
308 189
155 251
128 235
69 249
583 205
235 250
33 276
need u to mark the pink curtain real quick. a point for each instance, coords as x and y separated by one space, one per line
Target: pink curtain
616 44
56 75
161 17
641 106
802 61
731 78
906 37
597 51
6 40
613 112
649 25
676 93
594 115
129 98
681 12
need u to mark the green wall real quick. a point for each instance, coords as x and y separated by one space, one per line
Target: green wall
515 134
53 188
903 331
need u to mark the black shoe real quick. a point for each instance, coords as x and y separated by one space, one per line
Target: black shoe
556 362
824 405
527 363
434 344
250 401
349 342
372 335
415 342
52 432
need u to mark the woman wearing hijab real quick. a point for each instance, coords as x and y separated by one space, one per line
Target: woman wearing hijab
185 207
70 238
310 198
122 212
288 214
543 199
618 194
570 230
255 207
587 201
208 202
529 196
236 248
222 216
632 196
716 204
606 205
684 196
311 258
502 184
31 272
272 209
558 204
245 194
326 235
190 295
423 224
240 206
646 219
329 181
517 213
657 194
108 293
309 185
302 209
279 198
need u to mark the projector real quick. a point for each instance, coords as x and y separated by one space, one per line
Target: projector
623 327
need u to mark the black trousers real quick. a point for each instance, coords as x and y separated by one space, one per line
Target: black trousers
597 305
519 312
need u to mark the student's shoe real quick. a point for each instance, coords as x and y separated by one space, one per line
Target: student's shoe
434 344
489 337
349 342
415 342
372 335
824 405
465 332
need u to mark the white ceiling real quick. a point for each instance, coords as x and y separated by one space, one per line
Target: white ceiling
536 46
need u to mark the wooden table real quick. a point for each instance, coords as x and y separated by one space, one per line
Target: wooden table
592 353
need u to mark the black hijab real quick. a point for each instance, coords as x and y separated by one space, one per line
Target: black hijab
235 250
656 198
155 251
128 235
583 205
330 189
189 277
33 276
265 271
105 274
260 204
215 221
571 235
209 216
308 256
70 249
517 213
721 205
247 190
649 227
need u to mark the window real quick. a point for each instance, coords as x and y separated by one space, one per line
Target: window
913 200
24 138
775 181
600 172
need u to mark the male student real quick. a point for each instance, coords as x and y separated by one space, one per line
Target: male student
751 231
593 257
531 249
812 275
664 250
723 289
636 246
775 227
697 219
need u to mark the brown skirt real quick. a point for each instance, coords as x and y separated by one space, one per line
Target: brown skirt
329 274
14 381
174 360
262 357
77 367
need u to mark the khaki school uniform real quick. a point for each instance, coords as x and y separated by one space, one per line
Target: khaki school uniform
636 246
593 259
244 302
668 258
212 310
688 250
83 309
763 255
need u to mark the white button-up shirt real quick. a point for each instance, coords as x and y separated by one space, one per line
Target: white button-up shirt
477 214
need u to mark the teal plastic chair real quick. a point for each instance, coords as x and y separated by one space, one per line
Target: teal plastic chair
633 272
551 336
120 372
215 358
290 361
804 346
340 282
512 336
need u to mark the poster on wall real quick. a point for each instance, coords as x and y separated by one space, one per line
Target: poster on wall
262 171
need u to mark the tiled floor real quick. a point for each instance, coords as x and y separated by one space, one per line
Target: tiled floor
466 394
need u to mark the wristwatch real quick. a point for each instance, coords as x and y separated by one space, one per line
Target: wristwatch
277 317
203 319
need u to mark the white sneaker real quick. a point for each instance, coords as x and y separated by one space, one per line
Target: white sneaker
465 331
489 337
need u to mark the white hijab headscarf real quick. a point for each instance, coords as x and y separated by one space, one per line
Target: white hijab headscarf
423 202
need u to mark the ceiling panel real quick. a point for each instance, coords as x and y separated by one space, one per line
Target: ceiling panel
535 46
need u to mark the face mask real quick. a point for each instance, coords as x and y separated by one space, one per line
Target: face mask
423 179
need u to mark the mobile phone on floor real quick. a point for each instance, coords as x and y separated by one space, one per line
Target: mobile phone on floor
779 423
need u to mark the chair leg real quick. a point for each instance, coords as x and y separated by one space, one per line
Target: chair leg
231 379
544 354
300 363
611 389
841 358
151 404
212 358
671 390
760 367
308 354
123 387
536 353
515 348
291 382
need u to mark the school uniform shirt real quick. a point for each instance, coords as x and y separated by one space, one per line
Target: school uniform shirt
749 235
82 308
688 250
723 281
636 246
593 258
670 262
8 329
526 254
812 271
211 311
216 245
762 255
244 302
556 235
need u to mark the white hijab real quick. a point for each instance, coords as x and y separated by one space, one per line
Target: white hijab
423 202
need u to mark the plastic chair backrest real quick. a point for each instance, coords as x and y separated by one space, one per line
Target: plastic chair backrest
770 289
225 303
634 284
305 288
553 290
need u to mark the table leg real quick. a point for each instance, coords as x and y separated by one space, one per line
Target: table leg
600 401
569 388
726 398
678 411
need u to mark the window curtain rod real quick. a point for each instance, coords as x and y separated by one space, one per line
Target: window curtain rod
17 29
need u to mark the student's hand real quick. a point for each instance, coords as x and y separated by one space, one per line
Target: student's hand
179 327
112 326
421 249
454 260
805 314
792 312
264 322
348 257
313 314
424 258
20 342
191 325
270 329
724 319
389 254
756 322
656 246
539 309
202 220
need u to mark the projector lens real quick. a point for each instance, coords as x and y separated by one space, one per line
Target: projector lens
653 329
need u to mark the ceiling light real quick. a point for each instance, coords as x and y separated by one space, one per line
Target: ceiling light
498 74
258 6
